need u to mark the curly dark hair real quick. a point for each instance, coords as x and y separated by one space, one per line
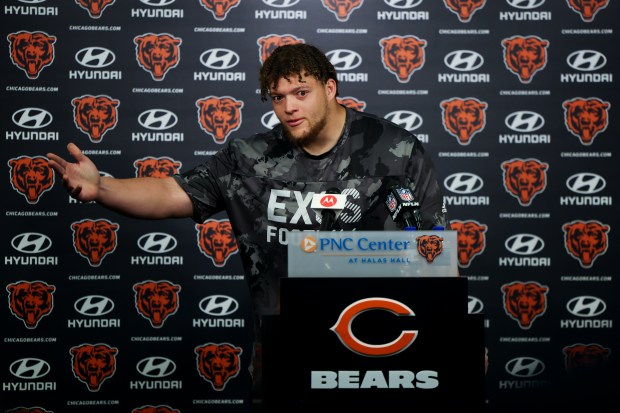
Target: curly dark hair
295 59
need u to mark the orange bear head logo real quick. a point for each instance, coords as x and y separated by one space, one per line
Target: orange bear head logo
430 246
156 167
587 9
217 241
219 8
95 115
582 357
525 178
267 44
31 51
585 241
470 240
31 176
94 7
525 56
464 9
524 302
219 116
155 409
402 55
342 9
31 301
218 363
586 118
157 300
157 53
94 240
93 364
352 103
463 118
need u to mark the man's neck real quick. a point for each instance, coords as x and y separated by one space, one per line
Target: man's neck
331 133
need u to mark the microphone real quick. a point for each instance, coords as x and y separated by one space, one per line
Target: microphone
403 207
329 205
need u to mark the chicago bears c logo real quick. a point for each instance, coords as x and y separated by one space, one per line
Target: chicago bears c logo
31 51
402 55
31 176
267 44
94 7
155 409
582 357
587 9
524 302
156 167
217 241
470 240
94 240
93 364
219 8
157 300
430 246
342 9
586 118
465 9
31 301
218 363
95 115
157 53
585 241
219 116
525 178
463 118
352 103
525 56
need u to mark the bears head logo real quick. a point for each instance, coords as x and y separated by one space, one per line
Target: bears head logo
430 246
31 51
31 176
352 103
219 116
586 118
470 240
587 9
585 241
218 363
95 115
524 302
157 300
94 240
525 56
463 118
28 410
31 301
582 357
267 44
342 9
402 55
217 241
219 8
525 178
157 53
94 7
155 409
465 9
156 167
93 364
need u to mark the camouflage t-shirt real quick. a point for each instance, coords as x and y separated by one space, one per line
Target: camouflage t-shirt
265 185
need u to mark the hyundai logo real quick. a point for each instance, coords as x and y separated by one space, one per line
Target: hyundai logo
32 118
156 367
474 305
463 60
29 368
280 3
219 59
218 305
524 244
586 306
269 120
32 1
524 121
524 367
95 57
403 4
463 183
157 242
343 59
406 119
157 3
93 305
586 60
526 4
586 183
31 243
157 119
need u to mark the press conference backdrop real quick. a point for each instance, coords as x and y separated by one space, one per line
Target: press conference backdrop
514 99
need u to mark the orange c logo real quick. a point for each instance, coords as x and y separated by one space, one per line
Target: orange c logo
342 328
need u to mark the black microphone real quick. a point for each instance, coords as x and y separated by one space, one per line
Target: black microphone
329 205
403 207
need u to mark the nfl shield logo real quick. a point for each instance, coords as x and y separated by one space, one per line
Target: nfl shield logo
391 203
405 194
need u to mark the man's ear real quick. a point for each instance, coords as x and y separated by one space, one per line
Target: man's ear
331 87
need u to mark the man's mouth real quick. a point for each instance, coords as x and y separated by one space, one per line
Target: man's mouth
294 122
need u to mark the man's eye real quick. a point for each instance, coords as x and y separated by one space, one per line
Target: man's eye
303 93
276 98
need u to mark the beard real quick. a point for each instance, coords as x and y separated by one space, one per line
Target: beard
308 137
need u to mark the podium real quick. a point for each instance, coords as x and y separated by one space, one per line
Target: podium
373 322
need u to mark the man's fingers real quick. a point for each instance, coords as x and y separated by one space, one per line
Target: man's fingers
75 152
